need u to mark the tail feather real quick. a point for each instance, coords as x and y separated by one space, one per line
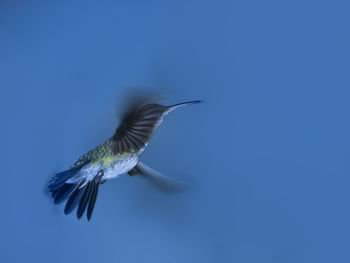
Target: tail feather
59 179
73 199
81 195
63 192
85 198
92 200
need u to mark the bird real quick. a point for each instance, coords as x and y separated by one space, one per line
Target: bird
120 154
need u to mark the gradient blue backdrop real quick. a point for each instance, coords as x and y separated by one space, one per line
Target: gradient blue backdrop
268 152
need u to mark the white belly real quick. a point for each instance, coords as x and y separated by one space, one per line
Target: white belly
112 168
121 166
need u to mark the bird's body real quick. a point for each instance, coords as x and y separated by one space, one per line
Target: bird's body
116 156
102 158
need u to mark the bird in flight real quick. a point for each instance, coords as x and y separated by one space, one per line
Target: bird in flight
118 155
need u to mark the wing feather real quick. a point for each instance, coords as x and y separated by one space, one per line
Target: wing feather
137 127
139 124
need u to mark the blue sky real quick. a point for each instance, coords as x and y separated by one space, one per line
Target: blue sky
267 153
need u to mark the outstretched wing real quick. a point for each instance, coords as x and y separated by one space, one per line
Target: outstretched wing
137 127
139 124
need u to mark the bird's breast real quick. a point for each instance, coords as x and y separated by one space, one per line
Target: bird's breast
114 166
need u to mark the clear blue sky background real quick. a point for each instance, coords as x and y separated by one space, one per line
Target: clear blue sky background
268 152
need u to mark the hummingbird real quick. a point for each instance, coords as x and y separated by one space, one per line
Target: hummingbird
120 154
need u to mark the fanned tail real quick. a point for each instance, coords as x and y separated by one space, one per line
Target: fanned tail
81 194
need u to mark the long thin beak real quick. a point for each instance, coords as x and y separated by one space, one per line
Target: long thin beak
179 105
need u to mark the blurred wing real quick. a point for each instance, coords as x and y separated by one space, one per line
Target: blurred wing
137 127
160 181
